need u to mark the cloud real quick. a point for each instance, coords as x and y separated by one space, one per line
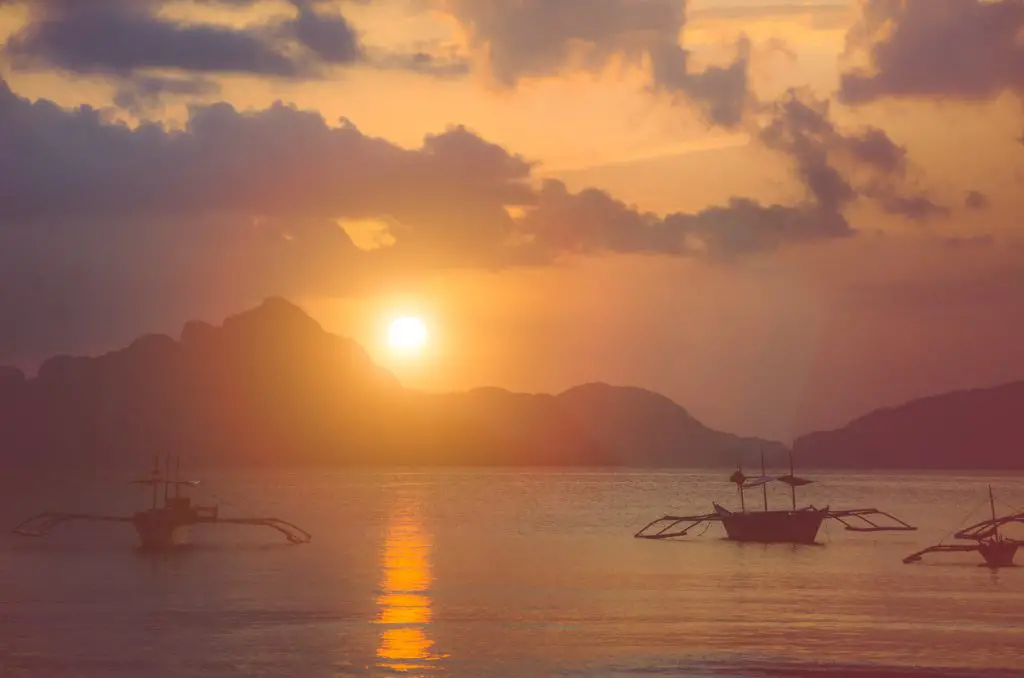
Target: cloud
953 49
275 162
330 37
969 50
102 222
547 37
828 160
131 40
835 167
430 62
142 94
593 222
819 9
976 200
118 37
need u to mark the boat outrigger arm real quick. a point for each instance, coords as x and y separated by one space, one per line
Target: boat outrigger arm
854 520
156 525
796 525
996 549
41 524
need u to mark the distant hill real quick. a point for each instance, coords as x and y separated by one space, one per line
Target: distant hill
270 386
974 429
647 429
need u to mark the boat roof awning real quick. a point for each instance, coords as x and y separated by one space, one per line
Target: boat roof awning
758 481
792 481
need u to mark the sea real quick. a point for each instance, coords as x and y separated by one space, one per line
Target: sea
504 572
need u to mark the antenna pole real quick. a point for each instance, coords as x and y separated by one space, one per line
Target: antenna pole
992 505
764 486
792 488
739 486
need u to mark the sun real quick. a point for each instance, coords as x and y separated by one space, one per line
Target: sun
407 334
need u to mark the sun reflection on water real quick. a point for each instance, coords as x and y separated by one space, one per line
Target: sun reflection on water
404 600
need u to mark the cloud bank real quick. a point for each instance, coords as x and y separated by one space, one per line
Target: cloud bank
100 221
967 50
97 217
954 49
547 37
129 39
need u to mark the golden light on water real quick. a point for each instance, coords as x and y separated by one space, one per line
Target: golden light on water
404 602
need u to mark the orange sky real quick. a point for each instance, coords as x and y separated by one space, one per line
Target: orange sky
773 344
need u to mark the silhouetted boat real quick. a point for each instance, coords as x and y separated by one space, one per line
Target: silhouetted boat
158 525
996 549
793 526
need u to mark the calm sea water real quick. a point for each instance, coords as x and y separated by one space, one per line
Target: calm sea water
503 573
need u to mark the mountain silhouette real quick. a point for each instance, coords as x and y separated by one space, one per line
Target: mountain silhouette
978 429
271 387
644 428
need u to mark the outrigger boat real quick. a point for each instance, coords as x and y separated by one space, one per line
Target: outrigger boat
157 526
997 550
793 526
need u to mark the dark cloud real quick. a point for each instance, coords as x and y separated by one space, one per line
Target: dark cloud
838 9
130 40
965 49
278 162
829 160
422 61
142 94
954 49
976 200
117 37
330 37
546 37
916 207
101 222
592 221
722 92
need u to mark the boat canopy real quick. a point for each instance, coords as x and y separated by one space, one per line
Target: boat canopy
747 483
758 481
793 481
161 481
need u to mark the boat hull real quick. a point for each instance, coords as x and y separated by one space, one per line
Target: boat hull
159 529
998 553
773 527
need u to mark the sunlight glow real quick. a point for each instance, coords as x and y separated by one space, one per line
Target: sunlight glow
407 334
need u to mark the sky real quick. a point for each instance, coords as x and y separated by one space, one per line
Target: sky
781 214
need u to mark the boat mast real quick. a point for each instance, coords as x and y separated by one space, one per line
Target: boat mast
764 486
992 505
739 486
792 486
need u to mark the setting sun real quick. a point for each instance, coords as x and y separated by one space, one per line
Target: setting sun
407 334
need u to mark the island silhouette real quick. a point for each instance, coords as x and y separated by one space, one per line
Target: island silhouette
271 387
